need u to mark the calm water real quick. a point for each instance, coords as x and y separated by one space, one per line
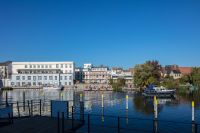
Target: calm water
178 109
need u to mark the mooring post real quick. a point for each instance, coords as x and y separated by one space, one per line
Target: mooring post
193 115
155 108
118 127
58 124
72 118
18 109
126 102
31 107
102 101
88 123
24 100
63 120
6 98
40 107
29 111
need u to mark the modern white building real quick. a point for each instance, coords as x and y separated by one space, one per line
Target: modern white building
5 73
42 73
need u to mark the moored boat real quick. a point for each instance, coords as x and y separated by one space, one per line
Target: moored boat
158 91
53 87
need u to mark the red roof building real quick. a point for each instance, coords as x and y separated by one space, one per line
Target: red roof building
185 70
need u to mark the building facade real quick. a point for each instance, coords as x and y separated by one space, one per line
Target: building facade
5 73
95 74
117 73
42 73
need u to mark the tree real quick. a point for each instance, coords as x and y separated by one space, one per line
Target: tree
147 73
170 83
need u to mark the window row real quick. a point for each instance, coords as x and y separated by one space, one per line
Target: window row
34 83
49 66
43 78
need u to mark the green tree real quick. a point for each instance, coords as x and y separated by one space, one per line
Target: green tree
147 73
170 83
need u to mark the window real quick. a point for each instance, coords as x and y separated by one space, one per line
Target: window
30 66
50 66
12 83
26 66
65 65
70 66
50 77
70 83
70 71
61 65
29 77
17 77
45 77
65 77
65 71
34 78
34 66
60 77
65 83
34 83
38 66
39 77
42 66
23 77
46 66
70 77
57 66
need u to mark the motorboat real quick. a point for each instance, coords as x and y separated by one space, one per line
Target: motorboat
53 87
152 90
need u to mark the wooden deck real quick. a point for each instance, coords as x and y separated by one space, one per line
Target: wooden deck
40 125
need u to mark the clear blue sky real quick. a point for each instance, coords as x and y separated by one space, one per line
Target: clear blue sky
109 32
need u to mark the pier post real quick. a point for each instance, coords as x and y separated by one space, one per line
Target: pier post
118 123
58 124
88 123
193 115
155 108
82 111
72 118
40 107
18 109
102 101
102 115
31 107
126 102
24 100
63 124
6 98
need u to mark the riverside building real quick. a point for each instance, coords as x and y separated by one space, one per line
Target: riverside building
42 74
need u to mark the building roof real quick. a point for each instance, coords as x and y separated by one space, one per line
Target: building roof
5 63
185 70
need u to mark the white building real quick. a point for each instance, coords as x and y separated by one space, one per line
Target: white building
117 73
42 73
5 73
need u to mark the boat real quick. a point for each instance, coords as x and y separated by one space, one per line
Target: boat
53 87
152 90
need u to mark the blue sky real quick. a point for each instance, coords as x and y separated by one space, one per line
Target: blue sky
109 32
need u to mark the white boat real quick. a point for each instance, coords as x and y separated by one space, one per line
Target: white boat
53 87
158 91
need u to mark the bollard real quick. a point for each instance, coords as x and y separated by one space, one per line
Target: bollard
18 109
24 100
72 118
118 127
127 117
31 107
29 111
40 107
193 115
58 124
88 123
102 115
63 120
102 101
155 108
126 102
6 98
